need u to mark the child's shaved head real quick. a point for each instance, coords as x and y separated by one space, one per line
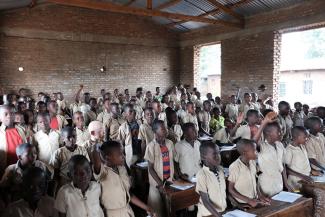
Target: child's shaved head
270 127
244 145
312 122
297 131
108 147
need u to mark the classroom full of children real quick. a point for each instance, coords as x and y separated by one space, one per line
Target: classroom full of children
79 159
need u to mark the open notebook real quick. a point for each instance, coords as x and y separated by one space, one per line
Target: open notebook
238 213
286 197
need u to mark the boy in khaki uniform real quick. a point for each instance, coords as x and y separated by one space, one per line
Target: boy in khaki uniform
242 176
115 181
211 184
57 121
247 104
105 115
113 124
296 159
158 112
96 131
82 132
160 155
316 145
174 129
285 121
146 134
232 108
91 115
249 130
190 116
204 116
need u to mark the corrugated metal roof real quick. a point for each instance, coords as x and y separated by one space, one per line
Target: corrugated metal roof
188 7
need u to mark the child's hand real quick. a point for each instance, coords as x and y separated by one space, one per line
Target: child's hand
184 176
316 173
240 118
161 189
151 213
253 202
308 179
265 200
270 118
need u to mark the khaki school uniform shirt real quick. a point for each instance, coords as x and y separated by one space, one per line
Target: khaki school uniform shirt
20 208
296 158
104 117
286 125
62 122
232 110
244 107
222 136
60 159
89 117
175 133
113 125
75 107
3 146
154 156
73 203
205 118
244 132
270 162
244 178
82 135
215 186
315 147
188 157
115 187
189 118
146 134
46 144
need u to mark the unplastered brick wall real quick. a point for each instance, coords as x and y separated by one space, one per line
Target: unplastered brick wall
247 62
63 47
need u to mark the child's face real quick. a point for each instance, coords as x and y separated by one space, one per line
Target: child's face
191 134
306 109
107 105
298 107
157 107
301 138
28 157
284 110
171 104
275 134
81 176
98 134
216 113
318 127
253 119
130 115
207 107
43 123
78 120
7 117
53 107
93 104
19 118
162 131
248 98
115 111
116 157
35 189
190 109
30 119
148 115
173 118
229 125
166 99
250 152
213 157
69 139
233 99
41 108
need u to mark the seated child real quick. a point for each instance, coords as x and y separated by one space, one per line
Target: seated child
187 153
46 140
242 176
34 202
296 159
217 121
160 155
222 136
83 134
12 178
69 197
113 124
211 184
111 173
315 145
57 121
249 130
174 129
146 134
61 157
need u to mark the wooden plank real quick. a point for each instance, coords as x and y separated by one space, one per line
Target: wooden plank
129 2
149 4
167 4
227 10
213 12
106 6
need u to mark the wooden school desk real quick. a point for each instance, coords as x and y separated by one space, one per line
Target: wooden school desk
317 192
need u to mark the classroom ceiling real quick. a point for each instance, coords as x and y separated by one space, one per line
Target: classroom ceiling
179 15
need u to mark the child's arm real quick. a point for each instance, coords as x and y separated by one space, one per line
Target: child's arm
97 162
207 203
266 121
179 173
136 201
285 179
240 119
236 194
262 197
314 162
155 176
77 97
302 176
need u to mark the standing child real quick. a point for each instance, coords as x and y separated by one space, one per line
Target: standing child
204 116
113 124
211 184
111 173
298 116
249 130
96 131
69 197
105 115
146 134
247 104
62 156
160 155
296 159
82 132
57 121
191 115
91 115
232 108
242 176
174 129
285 121
157 111
217 121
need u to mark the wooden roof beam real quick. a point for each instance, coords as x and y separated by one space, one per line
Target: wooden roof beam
107 6
149 4
227 10
129 2
167 4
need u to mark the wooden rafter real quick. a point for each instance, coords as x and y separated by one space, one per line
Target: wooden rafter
226 10
107 6
213 12
129 2
167 4
149 4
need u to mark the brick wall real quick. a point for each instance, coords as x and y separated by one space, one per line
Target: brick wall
62 47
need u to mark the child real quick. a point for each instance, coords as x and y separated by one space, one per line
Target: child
232 108
181 111
187 154
61 157
29 125
91 115
12 178
307 113
296 159
105 115
62 103
69 197
298 116
246 131
10 138
111 173
217 121
160 155
82 132
114 123
128 136
96 131
222 136
157 111
285 121
247 104
242 176
191 115
34 202
57 121
316 145
271 158
204 117
146 134
46 140
174 129
211 184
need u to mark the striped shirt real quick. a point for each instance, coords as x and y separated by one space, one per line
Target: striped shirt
166 161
